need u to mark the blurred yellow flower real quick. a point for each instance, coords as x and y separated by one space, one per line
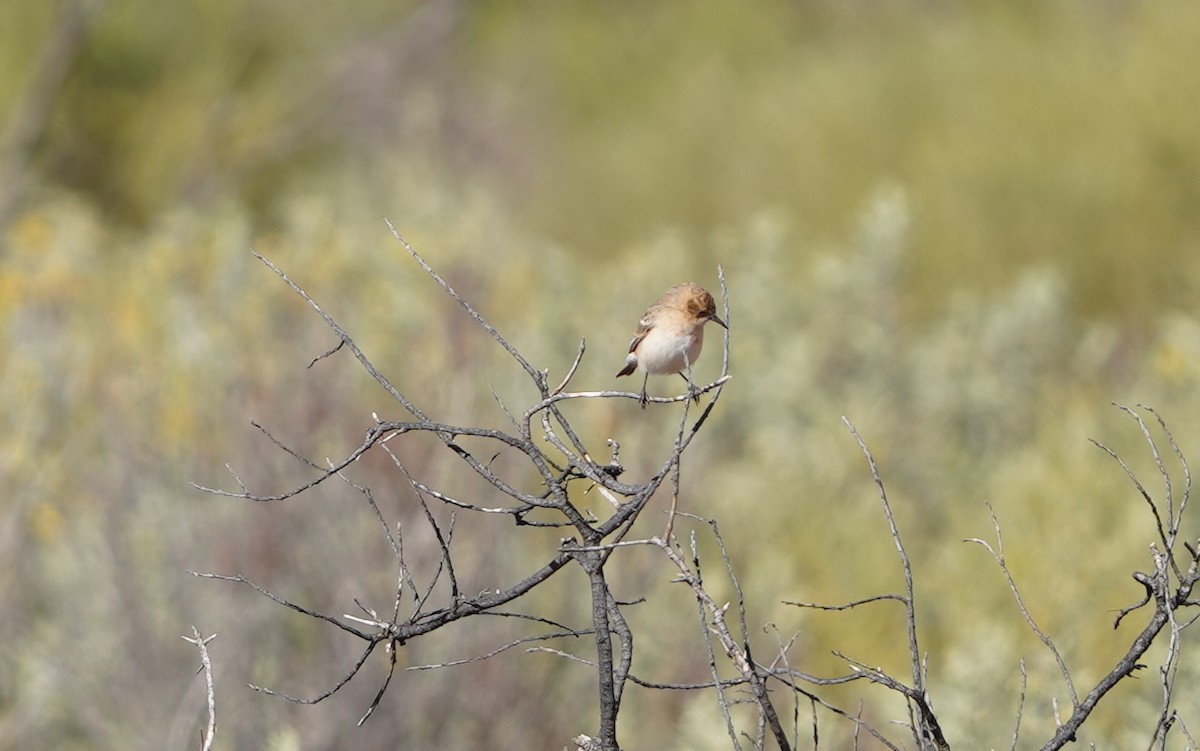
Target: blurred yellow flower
45 523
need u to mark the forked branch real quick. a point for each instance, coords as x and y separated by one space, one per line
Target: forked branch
560 460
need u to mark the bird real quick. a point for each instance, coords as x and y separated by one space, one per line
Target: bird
669 336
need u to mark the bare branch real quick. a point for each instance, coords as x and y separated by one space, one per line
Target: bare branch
345 339
927 730
383 686
574 366
1125 667
1159 590
206 665
1020 707
536 375
998 554
849 605
239 579
362 660
328 353
562 396
500 650
1187 472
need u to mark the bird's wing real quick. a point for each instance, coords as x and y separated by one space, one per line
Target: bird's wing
643 328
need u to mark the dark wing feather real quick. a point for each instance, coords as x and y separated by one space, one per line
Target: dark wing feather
643 328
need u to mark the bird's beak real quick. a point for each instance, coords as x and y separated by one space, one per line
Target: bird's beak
717 319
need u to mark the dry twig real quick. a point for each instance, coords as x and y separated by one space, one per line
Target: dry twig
566 460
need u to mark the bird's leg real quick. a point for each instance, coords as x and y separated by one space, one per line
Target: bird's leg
686 373
693 392
644 398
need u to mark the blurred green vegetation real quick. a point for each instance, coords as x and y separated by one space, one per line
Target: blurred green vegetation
965 227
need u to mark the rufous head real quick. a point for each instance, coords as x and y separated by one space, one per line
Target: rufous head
697 301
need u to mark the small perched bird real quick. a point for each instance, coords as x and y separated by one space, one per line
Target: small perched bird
669 336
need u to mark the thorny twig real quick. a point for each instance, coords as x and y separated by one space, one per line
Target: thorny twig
201 643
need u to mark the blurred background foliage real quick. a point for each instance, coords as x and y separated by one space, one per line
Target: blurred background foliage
968 227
